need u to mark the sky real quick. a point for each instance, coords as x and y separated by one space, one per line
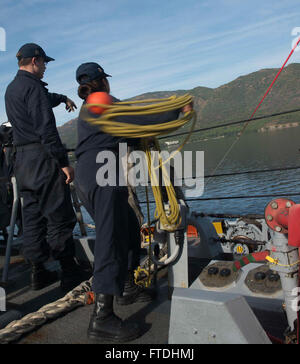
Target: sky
148 45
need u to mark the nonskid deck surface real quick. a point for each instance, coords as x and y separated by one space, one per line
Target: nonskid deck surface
71 328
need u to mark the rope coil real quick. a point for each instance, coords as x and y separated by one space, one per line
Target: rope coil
108 125
170 219
79 296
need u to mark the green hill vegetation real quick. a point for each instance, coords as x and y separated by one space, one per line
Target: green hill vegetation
233 101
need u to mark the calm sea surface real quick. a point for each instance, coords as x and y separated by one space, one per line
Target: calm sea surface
256 151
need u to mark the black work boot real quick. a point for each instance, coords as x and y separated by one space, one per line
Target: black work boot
41 277
134 293
72 274
105 325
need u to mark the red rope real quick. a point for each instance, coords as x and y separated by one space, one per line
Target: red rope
265 95
269 89
257 107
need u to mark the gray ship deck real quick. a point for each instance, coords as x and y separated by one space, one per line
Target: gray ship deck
71 328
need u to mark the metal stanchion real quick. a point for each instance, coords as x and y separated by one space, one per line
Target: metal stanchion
11 230
77 208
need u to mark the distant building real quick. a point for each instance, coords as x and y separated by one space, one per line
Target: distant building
172 142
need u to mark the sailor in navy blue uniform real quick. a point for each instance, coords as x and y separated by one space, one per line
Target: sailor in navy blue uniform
42 170
117 243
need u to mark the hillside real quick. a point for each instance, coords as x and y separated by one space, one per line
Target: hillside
68 133
233 101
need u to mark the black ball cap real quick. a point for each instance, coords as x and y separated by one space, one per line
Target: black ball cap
29 50
91 71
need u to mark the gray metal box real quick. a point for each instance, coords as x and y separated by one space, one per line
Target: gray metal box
203 317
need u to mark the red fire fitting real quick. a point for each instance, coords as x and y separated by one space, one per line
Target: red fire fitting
294 226
283 216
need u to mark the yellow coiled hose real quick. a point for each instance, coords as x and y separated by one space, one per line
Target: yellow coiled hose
169 219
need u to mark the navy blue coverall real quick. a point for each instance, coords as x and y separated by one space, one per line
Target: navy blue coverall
48 215
117 247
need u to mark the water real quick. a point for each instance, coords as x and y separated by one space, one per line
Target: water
255 151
